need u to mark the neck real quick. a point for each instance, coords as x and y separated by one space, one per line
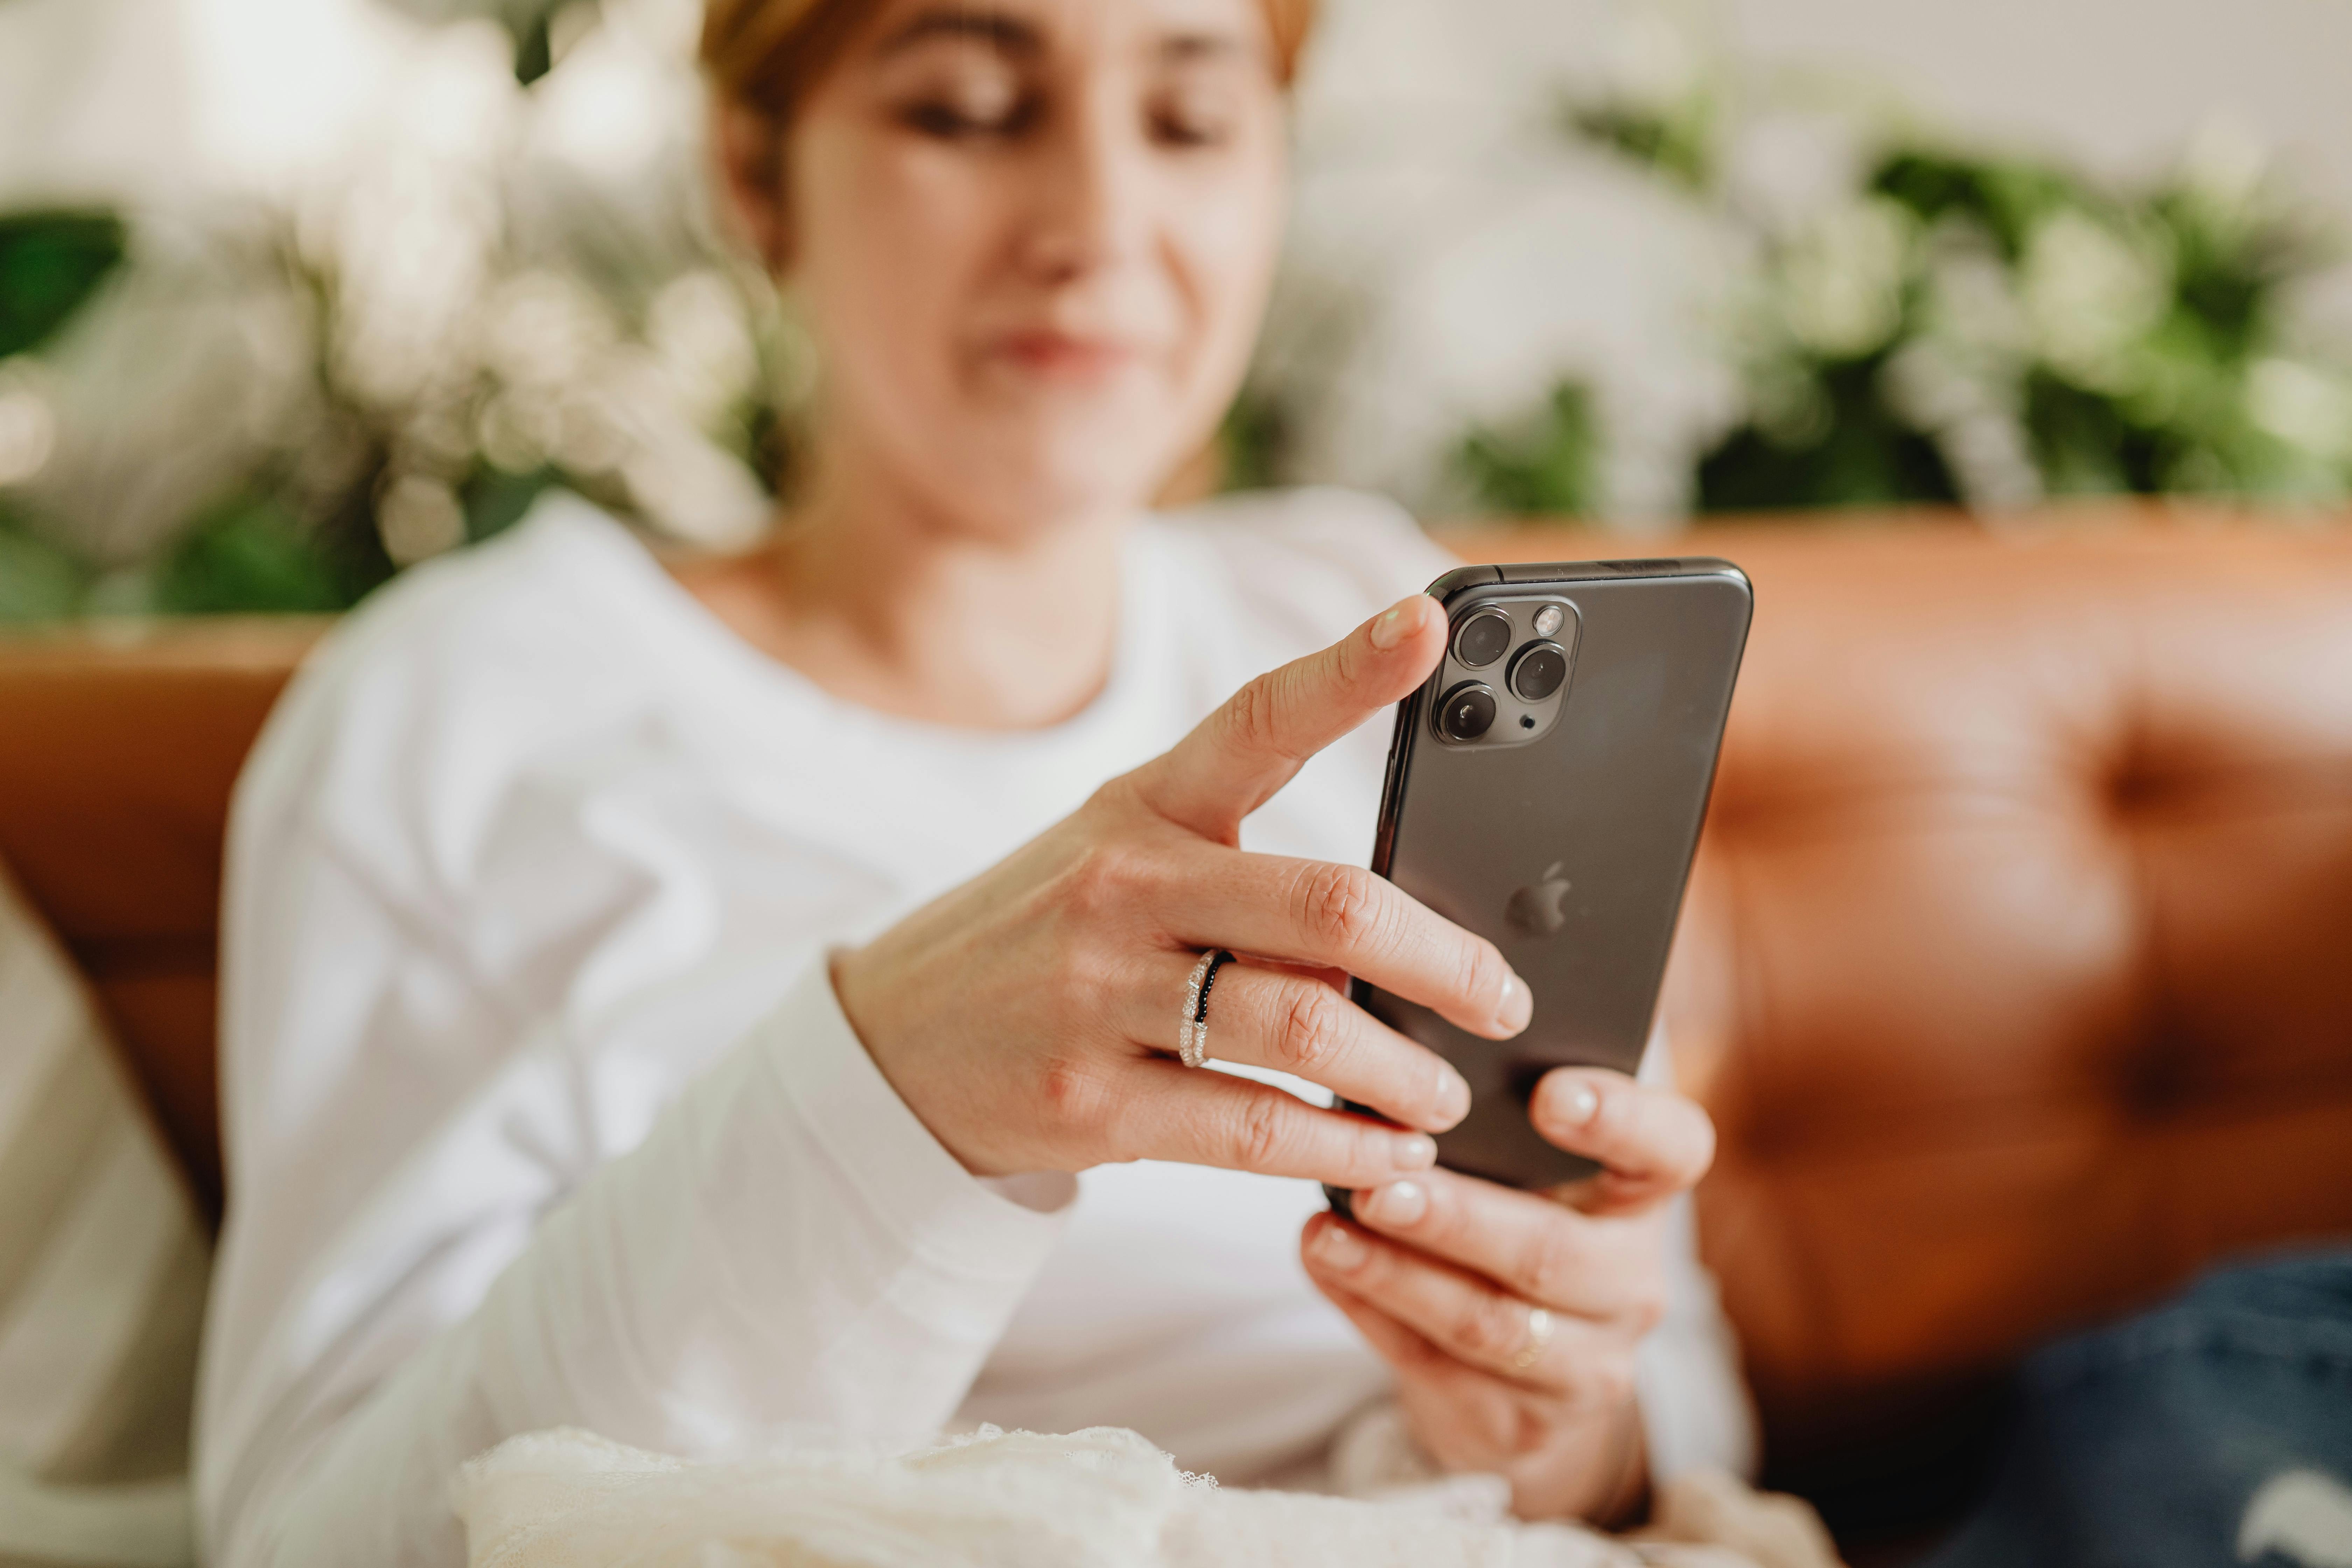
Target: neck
886 601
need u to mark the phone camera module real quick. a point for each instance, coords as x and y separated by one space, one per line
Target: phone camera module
1539 671
1480 640
1467 712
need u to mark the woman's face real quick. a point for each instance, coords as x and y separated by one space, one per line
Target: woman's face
1034 239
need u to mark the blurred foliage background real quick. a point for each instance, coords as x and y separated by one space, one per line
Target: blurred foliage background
275 402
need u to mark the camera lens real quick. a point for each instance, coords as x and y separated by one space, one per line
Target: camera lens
1537 673
1467 712
1480 640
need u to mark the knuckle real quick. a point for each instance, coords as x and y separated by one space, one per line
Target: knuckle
1338 906
1110 875
1082 1110
1073 1093
1097 988
1254 716
1647 1309
1483 971
1607 1381
1553 1261
1263 1134
1309 1040
1489 1326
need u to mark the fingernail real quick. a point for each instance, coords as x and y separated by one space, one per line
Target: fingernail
1583 1104
1398 1203
1414 1152
1452 1095
1517 1005
1399 621
1338 1247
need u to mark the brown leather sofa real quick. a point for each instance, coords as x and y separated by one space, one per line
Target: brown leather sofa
2017 968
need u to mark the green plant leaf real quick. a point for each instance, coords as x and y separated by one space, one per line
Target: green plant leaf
1863 455
249 556
50 263
495 500
39 581
1550 467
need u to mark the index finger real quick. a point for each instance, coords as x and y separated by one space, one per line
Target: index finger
1650 1142
1236 758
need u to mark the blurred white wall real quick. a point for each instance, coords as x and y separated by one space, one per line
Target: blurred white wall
161 101
100 96
2118 84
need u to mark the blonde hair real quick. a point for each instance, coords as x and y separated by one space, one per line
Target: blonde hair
766 55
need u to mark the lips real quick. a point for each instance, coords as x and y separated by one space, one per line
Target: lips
1064 356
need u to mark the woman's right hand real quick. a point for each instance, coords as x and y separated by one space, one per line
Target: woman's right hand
1030 1018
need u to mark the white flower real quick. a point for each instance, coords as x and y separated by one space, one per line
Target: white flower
2302 404
186 369
542 329
28 428
2089 294
407 228
697 325
1842 281
419 517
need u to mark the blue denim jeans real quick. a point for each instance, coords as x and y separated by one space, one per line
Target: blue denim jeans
2214 1430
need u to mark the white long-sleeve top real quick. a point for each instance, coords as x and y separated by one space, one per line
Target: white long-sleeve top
540 1110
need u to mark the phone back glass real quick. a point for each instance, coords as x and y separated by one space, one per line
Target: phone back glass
1568 851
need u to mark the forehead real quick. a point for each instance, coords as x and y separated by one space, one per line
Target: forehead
1067 26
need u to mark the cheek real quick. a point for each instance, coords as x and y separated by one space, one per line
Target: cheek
887 242
1223 235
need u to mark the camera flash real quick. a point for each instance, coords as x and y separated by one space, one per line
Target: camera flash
1547 620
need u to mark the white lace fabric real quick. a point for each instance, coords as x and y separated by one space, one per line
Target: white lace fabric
1103 1498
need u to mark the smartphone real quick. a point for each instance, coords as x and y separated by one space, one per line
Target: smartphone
1545 789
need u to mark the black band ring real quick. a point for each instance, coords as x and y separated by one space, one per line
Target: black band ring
1217 961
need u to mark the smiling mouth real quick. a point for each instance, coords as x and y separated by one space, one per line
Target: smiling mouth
1061 357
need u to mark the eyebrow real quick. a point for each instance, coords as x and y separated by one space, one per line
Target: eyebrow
1000 30
1180 48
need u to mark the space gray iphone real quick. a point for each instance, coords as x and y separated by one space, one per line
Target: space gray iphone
1545 789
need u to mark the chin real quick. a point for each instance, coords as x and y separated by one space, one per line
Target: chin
1022 483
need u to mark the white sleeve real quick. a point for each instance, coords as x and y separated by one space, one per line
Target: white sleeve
787 1243
1695 1405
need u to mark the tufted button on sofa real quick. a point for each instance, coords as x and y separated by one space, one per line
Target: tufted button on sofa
2016 968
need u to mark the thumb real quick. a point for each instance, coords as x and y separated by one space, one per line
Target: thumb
1236 758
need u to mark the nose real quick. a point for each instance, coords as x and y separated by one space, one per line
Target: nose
1091 207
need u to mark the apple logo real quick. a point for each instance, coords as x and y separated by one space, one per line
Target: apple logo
1536 909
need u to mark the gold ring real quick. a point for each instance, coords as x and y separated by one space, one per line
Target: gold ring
1539 1340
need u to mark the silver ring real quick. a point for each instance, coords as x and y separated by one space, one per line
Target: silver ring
1539 1326
1192 1034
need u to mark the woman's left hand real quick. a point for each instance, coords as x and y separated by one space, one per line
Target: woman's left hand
1511 1318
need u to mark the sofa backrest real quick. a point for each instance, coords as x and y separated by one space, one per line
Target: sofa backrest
118 748
2017 968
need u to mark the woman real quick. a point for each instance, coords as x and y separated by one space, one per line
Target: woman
600 1049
